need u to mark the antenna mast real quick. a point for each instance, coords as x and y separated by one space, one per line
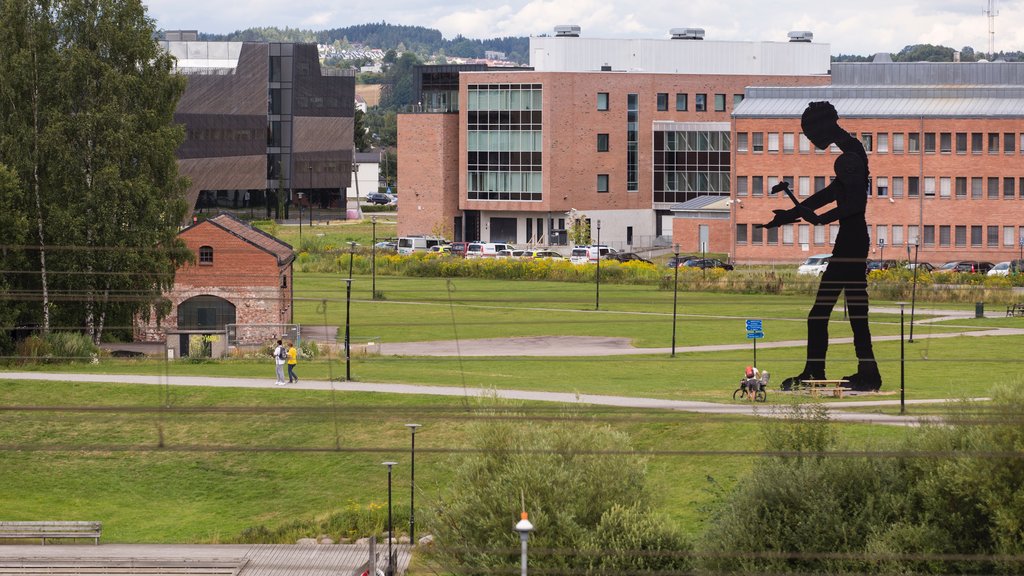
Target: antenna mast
992 13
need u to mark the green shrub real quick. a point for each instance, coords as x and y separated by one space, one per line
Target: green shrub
352 522
57 347
584 490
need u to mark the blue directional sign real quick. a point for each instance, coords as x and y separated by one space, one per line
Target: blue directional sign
754 335
754 326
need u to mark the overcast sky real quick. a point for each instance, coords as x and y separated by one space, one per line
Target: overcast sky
851 26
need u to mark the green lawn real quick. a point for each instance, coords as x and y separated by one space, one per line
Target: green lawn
218 461
418 309
224 460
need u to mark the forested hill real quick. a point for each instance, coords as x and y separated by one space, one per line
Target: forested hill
423 41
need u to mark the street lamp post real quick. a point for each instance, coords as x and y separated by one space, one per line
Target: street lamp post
373 258
675 298
348 314
348 308
524 527
903 407
391 568
1020 263
881 249
412 484
300 218
309 166
913 292
597 294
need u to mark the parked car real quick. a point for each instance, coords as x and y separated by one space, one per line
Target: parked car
378 198
589 254
410 244
675 262
510 253
705 263
387 245
920 266
627 257
535 254
440 249
458 248
881 264
1000 269
486 249
815 265
966 267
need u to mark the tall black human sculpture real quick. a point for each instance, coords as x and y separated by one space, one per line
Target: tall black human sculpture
847 269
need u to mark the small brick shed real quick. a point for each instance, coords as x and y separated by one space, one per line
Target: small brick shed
242 277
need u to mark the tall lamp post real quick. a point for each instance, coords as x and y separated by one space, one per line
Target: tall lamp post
348 314
1020 263
524 527
309 168
903 407
597 294
412 484
300 218
391 568
373 258
913 291
675 298
881 249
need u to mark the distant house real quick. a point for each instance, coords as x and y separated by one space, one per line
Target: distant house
237 292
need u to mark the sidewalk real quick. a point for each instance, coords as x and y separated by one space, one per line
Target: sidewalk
837 411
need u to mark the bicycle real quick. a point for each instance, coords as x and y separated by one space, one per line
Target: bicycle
752 389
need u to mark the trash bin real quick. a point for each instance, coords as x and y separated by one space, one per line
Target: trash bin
979 309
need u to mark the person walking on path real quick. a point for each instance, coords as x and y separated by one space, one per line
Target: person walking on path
280 357
847 270
293 359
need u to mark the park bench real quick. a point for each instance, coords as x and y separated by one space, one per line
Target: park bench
1015 310
836 387
137 567
44 530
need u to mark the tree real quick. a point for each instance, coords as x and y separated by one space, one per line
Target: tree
945 499
360 133
583 490
90 97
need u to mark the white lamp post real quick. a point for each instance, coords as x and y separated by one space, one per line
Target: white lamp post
524 528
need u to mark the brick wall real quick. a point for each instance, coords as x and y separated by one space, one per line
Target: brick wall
428 173
240 273
1003 212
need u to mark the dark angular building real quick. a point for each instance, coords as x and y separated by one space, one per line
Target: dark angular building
262 118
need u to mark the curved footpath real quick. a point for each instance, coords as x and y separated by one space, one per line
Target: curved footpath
838 412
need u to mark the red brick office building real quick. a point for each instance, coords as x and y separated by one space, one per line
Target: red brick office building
242 277
945 143
620 131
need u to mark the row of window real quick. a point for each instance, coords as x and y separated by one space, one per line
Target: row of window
504 97
976 187
895 143
682 101
942 235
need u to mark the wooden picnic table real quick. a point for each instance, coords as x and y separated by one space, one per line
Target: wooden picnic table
836 387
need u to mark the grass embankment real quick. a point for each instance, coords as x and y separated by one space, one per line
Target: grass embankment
206 465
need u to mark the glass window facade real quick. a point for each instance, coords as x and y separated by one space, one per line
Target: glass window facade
690 163
632 142
504 142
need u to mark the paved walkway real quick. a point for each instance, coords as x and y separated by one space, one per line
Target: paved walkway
838 411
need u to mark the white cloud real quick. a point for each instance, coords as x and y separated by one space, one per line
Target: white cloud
862 27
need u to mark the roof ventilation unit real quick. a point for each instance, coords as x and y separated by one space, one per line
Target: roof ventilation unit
687 33
567 31
801 36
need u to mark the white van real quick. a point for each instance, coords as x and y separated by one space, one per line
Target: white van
589 254
486 249
815 265
410 244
